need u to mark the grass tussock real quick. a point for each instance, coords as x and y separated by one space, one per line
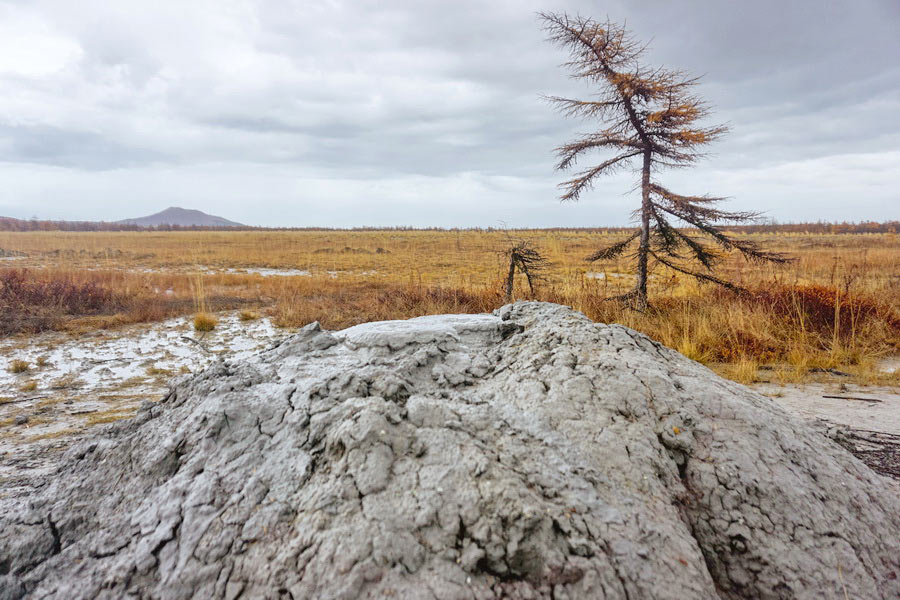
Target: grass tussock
18 366
204 322
155 371
110 416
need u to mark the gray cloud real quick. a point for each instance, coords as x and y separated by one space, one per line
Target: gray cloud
422 112
63 147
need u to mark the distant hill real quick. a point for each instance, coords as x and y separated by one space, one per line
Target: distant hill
181 217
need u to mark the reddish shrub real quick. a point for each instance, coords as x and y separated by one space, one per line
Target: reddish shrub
744 344
818 306
19 289
37 304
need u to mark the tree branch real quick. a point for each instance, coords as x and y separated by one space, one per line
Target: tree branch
614 250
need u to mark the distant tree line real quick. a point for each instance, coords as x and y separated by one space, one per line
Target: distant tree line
11 224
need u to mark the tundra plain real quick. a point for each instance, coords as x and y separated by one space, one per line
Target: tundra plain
836 306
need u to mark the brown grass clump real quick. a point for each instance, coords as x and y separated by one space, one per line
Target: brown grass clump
28 386
248 315
110 416
18 366
205 322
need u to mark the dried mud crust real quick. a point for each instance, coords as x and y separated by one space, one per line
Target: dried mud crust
526 454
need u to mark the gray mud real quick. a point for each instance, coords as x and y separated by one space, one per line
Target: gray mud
529 454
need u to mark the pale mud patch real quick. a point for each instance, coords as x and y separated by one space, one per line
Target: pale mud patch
809 401
604 275
195 269
863 419
80 381
265 272
889 365
284 272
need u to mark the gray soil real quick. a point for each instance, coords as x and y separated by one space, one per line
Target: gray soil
865 420
526 454
869 408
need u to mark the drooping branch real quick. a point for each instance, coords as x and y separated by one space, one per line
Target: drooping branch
698 275
702 254
584 108
570 152
614 250
749 249
695 211
584 180
667 239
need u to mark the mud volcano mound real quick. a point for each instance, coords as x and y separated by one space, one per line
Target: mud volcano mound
527 454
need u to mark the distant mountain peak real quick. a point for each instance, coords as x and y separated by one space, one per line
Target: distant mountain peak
183 217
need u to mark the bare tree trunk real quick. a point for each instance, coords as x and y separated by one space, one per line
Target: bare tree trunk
640 288
509 277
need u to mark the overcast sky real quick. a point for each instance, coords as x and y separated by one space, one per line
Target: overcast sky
425 113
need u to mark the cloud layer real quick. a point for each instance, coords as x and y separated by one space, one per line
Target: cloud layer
340 113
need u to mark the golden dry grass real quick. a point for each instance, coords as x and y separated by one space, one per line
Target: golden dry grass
18 366
205 322
837 306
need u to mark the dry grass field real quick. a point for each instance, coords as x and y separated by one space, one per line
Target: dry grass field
837 306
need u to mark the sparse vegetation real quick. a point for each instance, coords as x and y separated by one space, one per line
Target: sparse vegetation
109 416
248 315
35 300
837 306
18 366
155 371
28 386
204 321
66 382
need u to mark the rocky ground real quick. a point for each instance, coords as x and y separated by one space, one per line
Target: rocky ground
525 454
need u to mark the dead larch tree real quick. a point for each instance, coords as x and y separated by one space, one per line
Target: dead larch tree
525 259
650 121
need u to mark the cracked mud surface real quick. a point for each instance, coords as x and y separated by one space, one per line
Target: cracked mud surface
530 454
81 380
